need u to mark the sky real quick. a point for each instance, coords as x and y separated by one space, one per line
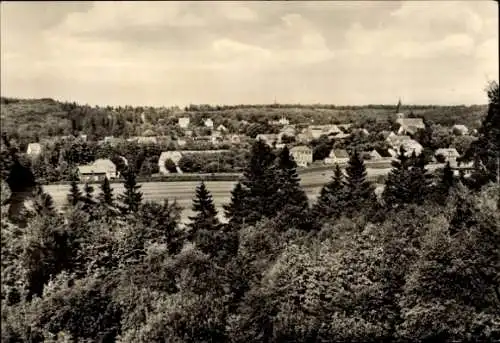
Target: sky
178 53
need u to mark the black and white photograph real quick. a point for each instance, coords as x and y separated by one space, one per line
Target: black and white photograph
250 171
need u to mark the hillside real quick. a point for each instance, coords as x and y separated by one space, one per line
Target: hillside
30 120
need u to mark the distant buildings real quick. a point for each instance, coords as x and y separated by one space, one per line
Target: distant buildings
97 171
282 121
302 155
221 128
184 122
337 156
317 131
409 126
208 123
408 144
34 149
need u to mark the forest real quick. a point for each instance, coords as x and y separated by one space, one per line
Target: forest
418 263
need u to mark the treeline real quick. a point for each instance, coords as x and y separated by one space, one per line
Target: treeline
418 262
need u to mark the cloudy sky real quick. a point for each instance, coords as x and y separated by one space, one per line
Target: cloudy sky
167 53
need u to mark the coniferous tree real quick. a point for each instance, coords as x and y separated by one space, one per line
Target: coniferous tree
75 195
290 200
419 179
485 152
43 202
132 197
235 211
106 195
446 183
359 191
331 200
260 183
88 198
205 218
397 189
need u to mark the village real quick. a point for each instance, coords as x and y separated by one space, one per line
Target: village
297 137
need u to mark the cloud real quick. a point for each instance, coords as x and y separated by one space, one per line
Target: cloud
226 52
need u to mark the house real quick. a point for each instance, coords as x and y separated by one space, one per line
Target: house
409 145
449 154
184 122
188 133
34 149
396 141
460 130
302 154
317 131
147 140
83 137
337 156
283 121
269 139
181 142
208 123
409 125
175 156
221 128
97 171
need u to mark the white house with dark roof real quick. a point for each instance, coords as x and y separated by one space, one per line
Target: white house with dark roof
337 156
96 171
302 154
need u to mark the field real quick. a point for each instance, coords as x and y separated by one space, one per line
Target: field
183 192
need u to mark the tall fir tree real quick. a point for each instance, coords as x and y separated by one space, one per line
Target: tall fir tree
290 200
75 195
446 183
205 217
260 183
132 197
106 195
88 198
43 202
485 151
419 179
235 211
331 200
397 190
359 191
